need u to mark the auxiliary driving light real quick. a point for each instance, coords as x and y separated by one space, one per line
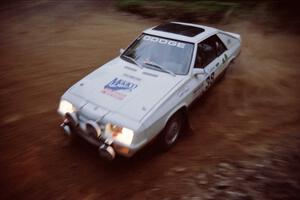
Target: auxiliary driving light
93 129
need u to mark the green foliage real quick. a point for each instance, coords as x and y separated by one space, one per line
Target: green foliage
179 9
130 5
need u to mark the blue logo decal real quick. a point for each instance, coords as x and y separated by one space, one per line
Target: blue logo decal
119 84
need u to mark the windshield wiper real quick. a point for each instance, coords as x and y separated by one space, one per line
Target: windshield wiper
153 64
133 60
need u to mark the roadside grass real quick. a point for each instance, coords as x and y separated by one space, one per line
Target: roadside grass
190 11
281 15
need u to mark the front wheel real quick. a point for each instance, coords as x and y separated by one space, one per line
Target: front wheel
171 132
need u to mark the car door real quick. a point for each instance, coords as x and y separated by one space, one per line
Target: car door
222 55
208 61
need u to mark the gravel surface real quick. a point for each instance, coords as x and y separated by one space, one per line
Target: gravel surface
244 129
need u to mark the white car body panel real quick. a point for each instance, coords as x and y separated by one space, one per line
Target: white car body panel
134 104
150 97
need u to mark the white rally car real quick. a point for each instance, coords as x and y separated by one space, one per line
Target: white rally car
145 92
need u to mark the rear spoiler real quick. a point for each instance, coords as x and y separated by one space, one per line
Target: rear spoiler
235 35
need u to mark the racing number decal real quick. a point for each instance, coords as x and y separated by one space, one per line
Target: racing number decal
210 80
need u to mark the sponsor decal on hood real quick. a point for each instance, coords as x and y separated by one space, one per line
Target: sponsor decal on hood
114 86
126 95
119 84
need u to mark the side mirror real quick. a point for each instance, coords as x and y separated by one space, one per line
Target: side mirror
199 71
122 51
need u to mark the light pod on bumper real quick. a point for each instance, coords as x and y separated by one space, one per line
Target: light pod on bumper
107 152
70 123
71 119
93 129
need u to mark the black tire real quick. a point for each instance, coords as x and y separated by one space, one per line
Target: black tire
171 132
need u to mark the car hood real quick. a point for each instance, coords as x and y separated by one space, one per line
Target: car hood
125 89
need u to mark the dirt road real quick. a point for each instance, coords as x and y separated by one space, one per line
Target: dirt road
46 46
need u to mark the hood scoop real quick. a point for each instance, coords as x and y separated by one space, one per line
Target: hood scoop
130 68
150 74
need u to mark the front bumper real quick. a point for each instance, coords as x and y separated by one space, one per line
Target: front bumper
106 145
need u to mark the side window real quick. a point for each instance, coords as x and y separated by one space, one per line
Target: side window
206 52
199 58
219 45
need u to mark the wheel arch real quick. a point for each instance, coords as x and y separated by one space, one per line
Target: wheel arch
179 109
162 136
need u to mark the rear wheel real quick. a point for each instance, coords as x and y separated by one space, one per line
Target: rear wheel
171 132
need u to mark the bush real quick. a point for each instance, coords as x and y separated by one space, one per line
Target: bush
179 10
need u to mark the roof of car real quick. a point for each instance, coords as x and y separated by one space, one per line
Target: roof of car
182 31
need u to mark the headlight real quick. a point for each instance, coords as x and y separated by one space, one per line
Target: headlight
120 134
65 107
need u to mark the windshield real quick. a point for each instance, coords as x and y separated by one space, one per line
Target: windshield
160 54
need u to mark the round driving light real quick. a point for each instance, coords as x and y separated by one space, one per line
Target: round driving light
107 152
93 129
71 119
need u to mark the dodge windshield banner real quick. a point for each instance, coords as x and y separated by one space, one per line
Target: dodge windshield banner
164 41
